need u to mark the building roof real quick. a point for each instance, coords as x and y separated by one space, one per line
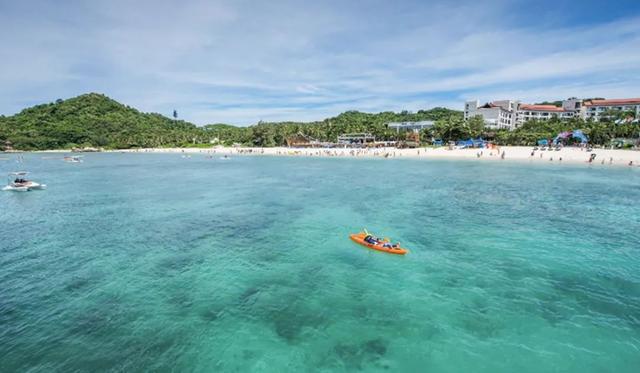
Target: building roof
615 101
491 105
541 108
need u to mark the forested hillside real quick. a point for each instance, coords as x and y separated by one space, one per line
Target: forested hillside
96 120
92 120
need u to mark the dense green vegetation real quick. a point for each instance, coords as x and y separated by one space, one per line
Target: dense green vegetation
274 134
92 120
599 133
98 121
554 103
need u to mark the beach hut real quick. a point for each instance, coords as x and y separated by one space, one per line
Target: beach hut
412 140
300 140
8 146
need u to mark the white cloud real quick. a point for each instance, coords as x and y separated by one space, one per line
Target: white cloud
553 92
242 61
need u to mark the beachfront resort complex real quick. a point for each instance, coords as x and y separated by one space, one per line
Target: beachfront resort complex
511 114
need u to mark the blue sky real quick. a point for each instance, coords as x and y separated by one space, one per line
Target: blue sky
243 61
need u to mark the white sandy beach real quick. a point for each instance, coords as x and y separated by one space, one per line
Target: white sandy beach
571 155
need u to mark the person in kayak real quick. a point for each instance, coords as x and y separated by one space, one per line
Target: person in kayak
389 245
370 240
378 242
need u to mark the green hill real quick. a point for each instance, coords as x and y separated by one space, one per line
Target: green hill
92 120
98 121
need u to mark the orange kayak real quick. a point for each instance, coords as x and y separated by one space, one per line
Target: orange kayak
359 238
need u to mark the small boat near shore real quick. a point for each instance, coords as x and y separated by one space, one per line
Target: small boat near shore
369 241
73 159
18 182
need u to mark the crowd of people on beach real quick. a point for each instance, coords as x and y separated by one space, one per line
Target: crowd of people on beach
590 159
360 152
557 154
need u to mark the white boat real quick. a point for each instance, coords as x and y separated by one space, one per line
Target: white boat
73 159
18 183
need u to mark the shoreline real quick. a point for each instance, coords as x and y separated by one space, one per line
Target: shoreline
571 155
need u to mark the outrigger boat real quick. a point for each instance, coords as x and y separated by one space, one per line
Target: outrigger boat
18 182
369 241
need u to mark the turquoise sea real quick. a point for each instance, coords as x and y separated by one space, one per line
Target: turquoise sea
152 262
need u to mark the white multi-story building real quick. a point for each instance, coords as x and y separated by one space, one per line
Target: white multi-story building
572 104
541 112
511 114
496 114
595 108
411 126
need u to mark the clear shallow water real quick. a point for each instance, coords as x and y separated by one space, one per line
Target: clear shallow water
149 261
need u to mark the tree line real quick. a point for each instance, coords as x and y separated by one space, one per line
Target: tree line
97 121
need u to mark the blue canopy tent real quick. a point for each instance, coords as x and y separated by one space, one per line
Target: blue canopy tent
576 134
479 142
579 135
465 143
543 142
437 142
471 143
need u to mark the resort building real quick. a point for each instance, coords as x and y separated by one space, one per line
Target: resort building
410 126
596 108
511 114
496 114
572 104
541 112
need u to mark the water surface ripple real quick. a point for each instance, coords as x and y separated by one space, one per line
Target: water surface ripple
135 262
